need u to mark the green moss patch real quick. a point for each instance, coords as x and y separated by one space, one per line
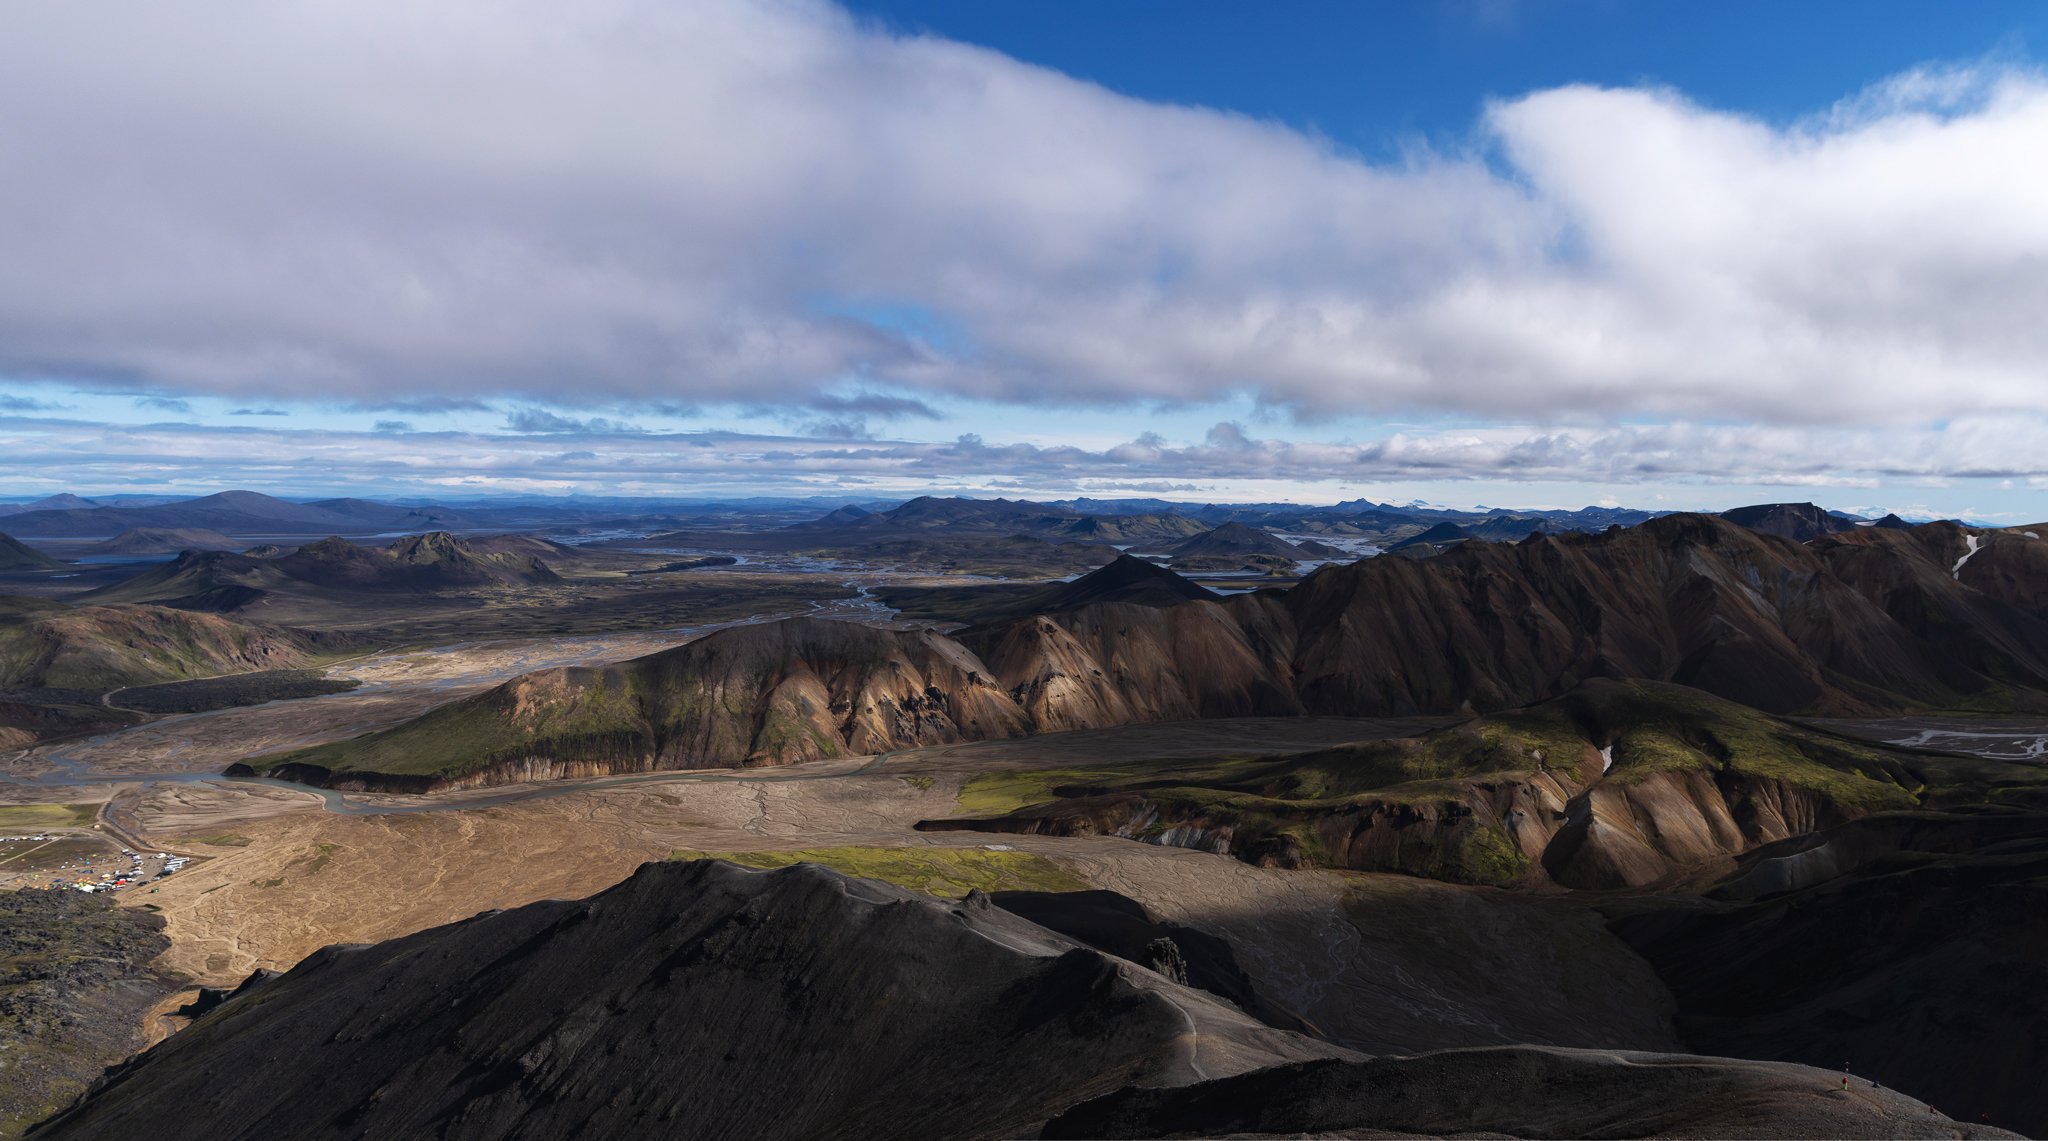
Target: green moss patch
29 817
945 872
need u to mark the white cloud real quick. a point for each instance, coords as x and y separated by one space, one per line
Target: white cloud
1638 462
723 201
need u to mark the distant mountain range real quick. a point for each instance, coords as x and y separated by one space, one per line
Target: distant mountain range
1119 521
225 582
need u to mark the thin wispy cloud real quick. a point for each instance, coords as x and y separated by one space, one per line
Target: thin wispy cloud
737 202
542 421
876 405
1641 456
21 404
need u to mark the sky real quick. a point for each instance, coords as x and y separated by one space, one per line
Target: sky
1665 255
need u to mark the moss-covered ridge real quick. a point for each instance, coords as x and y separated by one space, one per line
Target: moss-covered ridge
111 647
949 873
1619 783
775 693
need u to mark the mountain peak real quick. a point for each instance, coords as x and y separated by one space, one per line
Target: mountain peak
1795 521
1125 579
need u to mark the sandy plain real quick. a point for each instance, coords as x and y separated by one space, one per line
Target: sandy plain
1379 962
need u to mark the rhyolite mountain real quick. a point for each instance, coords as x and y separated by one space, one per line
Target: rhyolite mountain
799 1004
226 582
1877 621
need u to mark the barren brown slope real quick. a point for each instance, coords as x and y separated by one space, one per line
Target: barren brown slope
1685 598
109 647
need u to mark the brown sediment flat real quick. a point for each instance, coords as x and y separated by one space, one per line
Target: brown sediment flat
1357 956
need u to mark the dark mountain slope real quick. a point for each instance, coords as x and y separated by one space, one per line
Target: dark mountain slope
234 512
1125 579
1913 947
237 513
1684 598
225 582
1234 546
1515 1092
1236 539
1798 522
799 1004
163 541
1122 927
1146 528
792 1003
14 555
64 501
1438 538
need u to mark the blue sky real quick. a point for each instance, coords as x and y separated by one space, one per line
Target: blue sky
1373 76
1668 254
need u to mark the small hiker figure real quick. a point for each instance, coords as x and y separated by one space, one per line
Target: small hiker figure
1845 1081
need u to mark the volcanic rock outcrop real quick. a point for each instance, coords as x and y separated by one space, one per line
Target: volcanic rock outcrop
1516 1092
793 1003
799 1004
1908 946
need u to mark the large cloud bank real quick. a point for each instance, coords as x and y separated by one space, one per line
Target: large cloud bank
639 199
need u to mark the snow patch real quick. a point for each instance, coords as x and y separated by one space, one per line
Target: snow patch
1975 543
1606 758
